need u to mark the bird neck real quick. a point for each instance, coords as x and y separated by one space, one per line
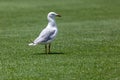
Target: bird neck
52 22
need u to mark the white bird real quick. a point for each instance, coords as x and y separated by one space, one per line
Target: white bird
48 34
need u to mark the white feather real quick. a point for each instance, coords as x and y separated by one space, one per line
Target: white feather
48 34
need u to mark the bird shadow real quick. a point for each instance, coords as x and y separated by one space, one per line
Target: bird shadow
51 53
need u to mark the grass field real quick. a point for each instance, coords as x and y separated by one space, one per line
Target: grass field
87 46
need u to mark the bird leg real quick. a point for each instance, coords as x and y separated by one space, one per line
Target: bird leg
45 48
49 45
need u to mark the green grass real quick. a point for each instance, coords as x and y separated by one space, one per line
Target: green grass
87 46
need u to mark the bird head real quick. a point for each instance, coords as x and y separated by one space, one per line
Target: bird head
53 15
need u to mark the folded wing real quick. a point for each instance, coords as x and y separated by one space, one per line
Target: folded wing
45 36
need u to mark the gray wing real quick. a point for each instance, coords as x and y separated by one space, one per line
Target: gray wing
45 36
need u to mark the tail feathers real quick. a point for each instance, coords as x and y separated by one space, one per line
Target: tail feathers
31 44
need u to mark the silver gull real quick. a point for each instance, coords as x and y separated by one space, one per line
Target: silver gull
48 34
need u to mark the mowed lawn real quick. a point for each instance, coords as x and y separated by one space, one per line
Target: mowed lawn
87 46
